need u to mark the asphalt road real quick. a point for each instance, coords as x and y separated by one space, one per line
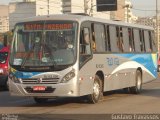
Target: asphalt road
113 102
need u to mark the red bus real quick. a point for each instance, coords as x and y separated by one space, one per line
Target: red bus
4 55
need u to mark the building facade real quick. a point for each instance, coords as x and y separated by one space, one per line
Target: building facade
4 19
29 8
123 12
151 21
83 6
148 21
128 12
120 13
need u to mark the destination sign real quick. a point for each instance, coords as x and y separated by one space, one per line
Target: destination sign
36 26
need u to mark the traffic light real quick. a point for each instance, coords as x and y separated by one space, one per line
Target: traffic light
106 5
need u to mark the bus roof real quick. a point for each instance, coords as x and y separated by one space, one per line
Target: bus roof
81 18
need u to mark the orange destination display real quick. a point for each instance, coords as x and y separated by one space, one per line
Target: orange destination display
36 26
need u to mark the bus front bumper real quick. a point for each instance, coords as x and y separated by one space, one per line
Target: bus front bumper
52 90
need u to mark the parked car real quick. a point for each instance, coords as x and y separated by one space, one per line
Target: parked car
4 56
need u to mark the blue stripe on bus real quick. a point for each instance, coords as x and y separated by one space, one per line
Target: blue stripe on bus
24 75
146 60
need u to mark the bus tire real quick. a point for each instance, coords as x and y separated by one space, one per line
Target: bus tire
40 100
138 87
7 85
97 91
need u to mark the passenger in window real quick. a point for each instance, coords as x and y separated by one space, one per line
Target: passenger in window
86 38
130 48
120 44
87 43
69 42
62 44
37 44
93 42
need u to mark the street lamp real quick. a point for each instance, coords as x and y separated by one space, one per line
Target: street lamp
127 6
157 26
48 6
85 6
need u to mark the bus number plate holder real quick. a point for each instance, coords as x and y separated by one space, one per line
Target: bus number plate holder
39 88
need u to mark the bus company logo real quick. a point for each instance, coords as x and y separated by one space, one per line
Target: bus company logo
113 61
39 80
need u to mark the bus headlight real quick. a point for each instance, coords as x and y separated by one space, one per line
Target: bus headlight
1 71
14 79
68 76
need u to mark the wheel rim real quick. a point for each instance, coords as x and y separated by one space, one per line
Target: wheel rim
96 89
139 82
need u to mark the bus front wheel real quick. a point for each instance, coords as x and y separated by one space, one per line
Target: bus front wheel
138 87
97 91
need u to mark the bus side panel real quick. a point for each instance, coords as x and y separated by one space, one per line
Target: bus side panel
147 63
107 64
86 76
118 81
119 70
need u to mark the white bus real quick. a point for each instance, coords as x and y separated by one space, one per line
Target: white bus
74 55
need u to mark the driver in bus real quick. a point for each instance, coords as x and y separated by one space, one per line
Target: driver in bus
69 43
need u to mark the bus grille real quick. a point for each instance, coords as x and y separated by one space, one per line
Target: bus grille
40 81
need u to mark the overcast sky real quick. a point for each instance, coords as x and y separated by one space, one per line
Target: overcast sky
140 7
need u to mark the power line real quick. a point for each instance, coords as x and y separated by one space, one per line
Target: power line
143 9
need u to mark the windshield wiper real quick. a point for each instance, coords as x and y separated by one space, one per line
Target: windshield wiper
25 59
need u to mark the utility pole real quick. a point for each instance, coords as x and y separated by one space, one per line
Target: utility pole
85 6
92 8
127 13
157 26
48 6
127 6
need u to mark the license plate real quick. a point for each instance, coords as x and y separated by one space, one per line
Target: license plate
39 88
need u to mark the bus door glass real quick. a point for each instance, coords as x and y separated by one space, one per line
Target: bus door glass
85 47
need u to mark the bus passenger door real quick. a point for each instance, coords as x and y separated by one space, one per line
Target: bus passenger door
85 56
85 47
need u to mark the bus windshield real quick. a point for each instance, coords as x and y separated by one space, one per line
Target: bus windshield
3 57
50 44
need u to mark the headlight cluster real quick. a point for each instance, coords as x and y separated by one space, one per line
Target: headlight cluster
1 71
68 76
14 78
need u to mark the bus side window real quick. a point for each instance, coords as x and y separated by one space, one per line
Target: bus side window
108 38
119 35
125 39
93 38
131 40
147 41
85 48
136 40
150 40
142 41
113 38
85 42
154 46
100 37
